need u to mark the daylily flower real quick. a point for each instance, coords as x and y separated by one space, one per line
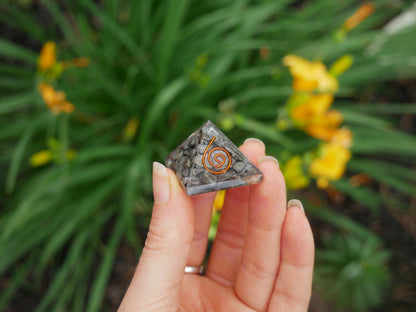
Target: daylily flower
341 65
307 110
130 129
294 175
310 76
324 127
41 158
53 153
219 201
48 65
303 108
47 56
310 113
364 11
55 100
330 165
342 137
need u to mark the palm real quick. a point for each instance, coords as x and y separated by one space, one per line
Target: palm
261 258
203 294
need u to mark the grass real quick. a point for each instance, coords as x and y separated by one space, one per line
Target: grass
69 217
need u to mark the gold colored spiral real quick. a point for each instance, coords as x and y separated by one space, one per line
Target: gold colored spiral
220 159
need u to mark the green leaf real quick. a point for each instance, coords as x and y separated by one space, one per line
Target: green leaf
60 19
75 254
105 268
16 102
175 12
161 102
398 177
378 108
268 132
86 208
375 142
19 153
344 223
18 278
17 52
353 117
365 196
122 36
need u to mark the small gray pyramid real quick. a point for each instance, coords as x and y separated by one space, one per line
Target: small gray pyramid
208 161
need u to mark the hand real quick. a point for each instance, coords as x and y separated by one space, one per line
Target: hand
261 258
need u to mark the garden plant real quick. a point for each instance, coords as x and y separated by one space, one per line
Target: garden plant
91 92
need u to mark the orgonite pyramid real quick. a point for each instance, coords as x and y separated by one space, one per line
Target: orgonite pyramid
208 161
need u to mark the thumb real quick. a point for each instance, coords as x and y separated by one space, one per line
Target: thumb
158 277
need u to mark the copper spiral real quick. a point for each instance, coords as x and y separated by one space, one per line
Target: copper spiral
220 159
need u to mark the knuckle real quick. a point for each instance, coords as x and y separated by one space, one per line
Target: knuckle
155 241
293 300
257 270
231 240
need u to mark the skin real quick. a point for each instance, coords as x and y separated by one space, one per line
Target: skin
261 259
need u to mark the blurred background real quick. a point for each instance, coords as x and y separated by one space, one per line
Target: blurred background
93 91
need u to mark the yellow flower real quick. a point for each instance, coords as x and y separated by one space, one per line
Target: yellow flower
351 22
130 129
47 56
55 100
40 158
307 107
55 153
294 175
50 68
310 76
44 157
323 127
342 137
219 201
341 65
330 164
361 14
312 115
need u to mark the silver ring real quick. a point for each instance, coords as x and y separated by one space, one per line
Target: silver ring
198 269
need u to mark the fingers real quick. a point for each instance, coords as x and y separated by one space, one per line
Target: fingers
202 204
292 290
229 241
158 276
261 255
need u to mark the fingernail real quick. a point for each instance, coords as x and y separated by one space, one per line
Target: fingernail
295 203
161 183
269 158
257 141
175 186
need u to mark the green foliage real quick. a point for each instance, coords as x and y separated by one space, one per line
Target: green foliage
169 64
352 272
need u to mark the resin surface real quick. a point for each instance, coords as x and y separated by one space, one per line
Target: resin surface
208 161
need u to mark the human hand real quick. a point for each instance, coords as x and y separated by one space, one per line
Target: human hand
261 258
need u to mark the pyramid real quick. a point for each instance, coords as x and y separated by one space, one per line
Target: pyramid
208 161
